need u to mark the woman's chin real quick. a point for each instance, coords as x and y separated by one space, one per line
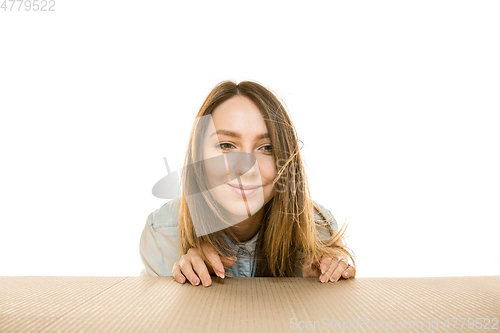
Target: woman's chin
240 210
239 207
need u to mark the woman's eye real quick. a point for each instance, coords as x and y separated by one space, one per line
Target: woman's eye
268 148
224 146
227 146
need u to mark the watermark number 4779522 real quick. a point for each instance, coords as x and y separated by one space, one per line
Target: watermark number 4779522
28 5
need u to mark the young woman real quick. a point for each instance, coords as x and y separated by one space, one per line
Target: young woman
245 208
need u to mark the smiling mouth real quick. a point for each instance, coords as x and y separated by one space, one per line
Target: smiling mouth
244 191
245 187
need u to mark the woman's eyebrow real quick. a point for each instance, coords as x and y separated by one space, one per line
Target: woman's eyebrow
237 135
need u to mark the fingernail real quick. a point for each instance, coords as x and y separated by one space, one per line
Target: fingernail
221 275
346 274
323 279
181 280
334 278
196 282
323 269
206 282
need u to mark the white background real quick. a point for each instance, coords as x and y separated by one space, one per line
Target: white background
397 104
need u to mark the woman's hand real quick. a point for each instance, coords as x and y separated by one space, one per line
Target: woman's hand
328 269
192 266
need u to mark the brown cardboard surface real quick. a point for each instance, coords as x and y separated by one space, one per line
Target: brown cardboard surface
159 304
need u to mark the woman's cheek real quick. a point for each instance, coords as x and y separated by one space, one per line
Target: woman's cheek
216 170
267 169
268 173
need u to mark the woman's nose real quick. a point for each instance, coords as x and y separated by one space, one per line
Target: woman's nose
241 163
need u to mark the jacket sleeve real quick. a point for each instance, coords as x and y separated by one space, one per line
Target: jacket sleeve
159 247
322 233
149 250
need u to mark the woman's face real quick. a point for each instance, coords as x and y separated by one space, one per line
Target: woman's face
238 127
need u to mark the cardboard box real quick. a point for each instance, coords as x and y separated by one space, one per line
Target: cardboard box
159 304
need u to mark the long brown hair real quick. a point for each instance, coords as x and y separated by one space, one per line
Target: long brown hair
288 227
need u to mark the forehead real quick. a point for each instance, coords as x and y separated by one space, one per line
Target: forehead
238 113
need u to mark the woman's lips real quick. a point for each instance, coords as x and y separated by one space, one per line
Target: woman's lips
246 192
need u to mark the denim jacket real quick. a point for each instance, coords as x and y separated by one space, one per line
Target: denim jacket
160 248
